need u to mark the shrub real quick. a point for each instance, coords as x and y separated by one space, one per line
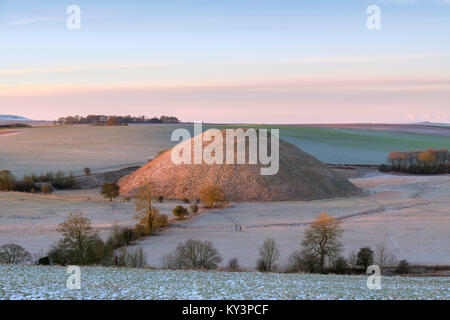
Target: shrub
268 256
312 262
137 258
60 181
87 171
11 253
132 258
120 237
44 261
160 198
180 212
340 265
296 262
299 261
171 261
186 200
194 208
213 197
193 254
7 181
233 264
403 267
59 255
364 257
384 168
96 252
128 235
110 190
25 185
162 221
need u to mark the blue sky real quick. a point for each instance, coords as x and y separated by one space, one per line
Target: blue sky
235 61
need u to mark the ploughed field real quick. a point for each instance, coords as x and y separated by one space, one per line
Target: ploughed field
38 282
110 148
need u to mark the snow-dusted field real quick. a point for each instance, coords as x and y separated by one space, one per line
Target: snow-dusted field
408 214
33 282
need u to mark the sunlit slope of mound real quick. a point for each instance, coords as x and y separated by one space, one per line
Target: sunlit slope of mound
300 177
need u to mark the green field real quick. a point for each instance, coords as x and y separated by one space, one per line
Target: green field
357 146
110 148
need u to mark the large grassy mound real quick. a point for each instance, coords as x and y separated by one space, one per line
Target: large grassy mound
300 177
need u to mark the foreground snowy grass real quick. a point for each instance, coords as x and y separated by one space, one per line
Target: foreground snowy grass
36 282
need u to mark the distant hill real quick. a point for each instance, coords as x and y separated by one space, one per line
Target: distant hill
8 117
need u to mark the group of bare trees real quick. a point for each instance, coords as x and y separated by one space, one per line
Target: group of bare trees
426 162
103 119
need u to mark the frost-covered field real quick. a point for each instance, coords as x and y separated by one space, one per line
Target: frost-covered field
33 282
110 148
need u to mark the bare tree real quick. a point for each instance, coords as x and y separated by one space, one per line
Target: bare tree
383 257
149 218
268 256
110 190
11 253
353 260
322 239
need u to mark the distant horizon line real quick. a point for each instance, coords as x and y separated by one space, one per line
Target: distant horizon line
254 123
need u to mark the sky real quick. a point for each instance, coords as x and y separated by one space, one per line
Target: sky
254 61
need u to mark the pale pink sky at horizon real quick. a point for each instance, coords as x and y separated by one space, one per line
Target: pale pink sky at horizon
228 61
282 97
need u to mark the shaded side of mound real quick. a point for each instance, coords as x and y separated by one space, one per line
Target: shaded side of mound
300 177
96 180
